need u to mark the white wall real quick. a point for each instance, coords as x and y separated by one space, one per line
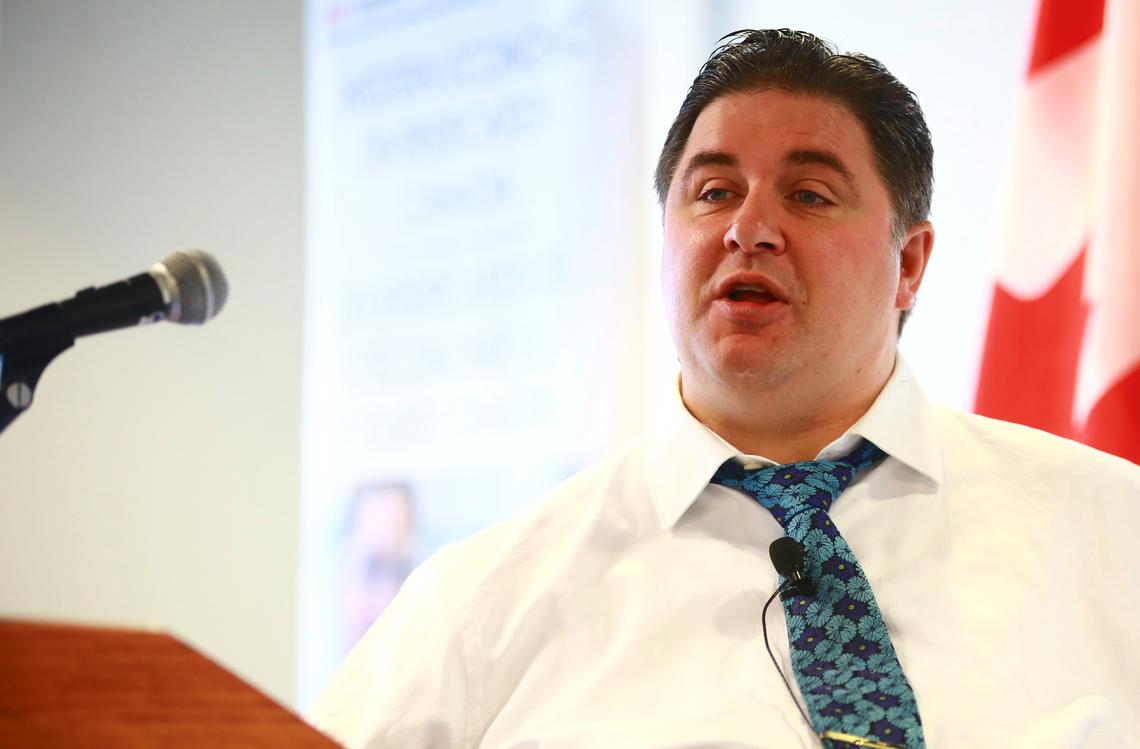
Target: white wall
155 479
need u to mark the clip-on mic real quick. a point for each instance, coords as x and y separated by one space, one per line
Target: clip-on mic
788 558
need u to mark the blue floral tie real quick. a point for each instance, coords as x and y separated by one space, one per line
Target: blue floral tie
846 667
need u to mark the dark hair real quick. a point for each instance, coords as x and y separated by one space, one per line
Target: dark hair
800 62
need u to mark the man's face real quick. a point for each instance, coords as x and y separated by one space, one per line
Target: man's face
779 260
378 556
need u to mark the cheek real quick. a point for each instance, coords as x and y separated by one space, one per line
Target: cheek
681 278
851 280
689 261
867 290
672 273
674 259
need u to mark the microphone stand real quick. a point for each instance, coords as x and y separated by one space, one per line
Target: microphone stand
28 343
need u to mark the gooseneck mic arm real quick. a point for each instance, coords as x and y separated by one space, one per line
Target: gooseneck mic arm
23 357
186 287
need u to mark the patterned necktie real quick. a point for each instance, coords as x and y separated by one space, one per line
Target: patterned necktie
841 653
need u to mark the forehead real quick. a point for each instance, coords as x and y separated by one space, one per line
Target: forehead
759 126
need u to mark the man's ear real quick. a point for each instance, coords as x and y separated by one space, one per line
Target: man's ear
914 254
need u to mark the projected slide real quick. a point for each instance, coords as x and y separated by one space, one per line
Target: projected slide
472 264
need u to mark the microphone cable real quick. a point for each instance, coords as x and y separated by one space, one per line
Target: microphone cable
768 647
788 558
787 555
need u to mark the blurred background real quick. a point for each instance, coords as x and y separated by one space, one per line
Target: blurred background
437 223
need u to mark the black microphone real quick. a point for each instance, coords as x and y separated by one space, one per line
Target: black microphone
186 287
788 558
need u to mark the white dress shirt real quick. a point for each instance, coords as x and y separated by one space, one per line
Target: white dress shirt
624 609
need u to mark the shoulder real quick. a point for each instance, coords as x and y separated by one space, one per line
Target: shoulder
996 446
607 494
410 680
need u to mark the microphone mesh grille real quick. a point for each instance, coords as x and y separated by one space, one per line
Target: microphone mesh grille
202 287
786 554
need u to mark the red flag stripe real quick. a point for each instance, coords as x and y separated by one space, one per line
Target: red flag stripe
1065 357
1114 422
1062 26
1029 366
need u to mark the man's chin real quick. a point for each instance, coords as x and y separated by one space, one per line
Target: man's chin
751 369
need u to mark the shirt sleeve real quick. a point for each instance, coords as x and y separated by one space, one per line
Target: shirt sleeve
406 682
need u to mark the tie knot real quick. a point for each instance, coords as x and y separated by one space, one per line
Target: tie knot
790 489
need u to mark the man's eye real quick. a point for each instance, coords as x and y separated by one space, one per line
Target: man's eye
810 197
714 195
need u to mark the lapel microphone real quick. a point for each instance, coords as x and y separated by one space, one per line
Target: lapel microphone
788 558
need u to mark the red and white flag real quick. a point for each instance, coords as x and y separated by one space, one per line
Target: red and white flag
1062 351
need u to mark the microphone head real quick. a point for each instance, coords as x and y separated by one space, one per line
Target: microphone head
193 284
787 555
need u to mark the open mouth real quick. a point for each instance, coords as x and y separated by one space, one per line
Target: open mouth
753 293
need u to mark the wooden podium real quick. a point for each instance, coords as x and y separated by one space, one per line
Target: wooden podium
72 687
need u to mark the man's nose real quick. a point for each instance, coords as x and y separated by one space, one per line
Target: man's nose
755 228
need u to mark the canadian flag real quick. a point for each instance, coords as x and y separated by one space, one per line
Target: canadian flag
1062 351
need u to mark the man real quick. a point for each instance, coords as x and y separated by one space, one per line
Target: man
971 583
378 544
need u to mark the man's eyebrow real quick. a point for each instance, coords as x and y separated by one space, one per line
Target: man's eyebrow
707 158
823 158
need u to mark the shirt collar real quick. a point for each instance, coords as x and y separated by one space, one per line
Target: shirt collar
684 454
